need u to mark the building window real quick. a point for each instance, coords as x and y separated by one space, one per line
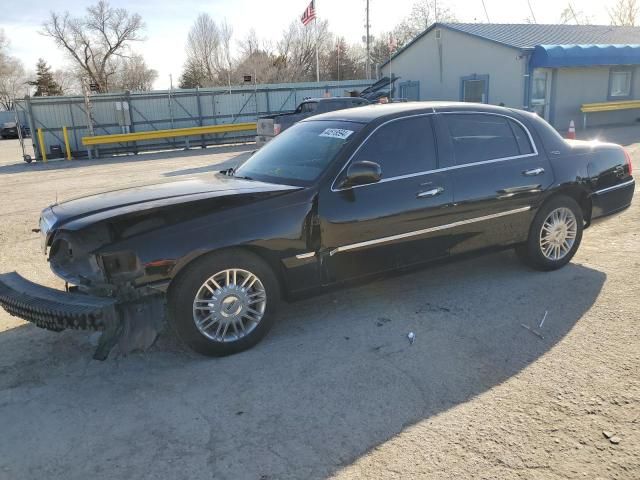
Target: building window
474 88
620 83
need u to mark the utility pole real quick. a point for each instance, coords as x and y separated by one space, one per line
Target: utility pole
368 65
170 99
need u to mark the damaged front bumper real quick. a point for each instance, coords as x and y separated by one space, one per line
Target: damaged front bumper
53 309
121 322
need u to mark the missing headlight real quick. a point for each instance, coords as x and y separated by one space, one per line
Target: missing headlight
121 264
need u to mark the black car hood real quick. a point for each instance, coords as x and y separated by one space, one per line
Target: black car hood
81 211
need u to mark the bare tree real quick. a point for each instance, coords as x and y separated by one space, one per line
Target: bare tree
625 13
381 50
258 59
423 14
69 81
13 82
250 44
297 50
4 46
571 14
204 49
96 41
226 32
13 78
133 74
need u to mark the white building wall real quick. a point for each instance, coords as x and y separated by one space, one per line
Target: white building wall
575 86
462 55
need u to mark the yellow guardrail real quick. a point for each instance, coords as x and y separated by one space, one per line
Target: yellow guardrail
609 106
171 133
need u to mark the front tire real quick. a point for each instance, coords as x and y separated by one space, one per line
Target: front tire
554 236
224 303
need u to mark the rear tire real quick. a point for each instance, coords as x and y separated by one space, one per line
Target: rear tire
554 236
224 303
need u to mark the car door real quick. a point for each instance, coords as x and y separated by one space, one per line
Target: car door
392 223
498 175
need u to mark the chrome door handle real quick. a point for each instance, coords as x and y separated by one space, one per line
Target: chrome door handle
533 172
430 193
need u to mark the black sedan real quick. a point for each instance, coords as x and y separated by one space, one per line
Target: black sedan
11 131
337 198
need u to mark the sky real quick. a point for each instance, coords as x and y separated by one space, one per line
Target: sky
168 21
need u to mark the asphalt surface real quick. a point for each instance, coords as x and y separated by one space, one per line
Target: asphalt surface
336 390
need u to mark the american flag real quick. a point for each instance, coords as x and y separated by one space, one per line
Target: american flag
309 13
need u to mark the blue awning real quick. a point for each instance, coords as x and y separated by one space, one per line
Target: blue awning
584 55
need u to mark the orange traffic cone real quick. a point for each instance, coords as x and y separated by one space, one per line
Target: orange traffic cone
571 134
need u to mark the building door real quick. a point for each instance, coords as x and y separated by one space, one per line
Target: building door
475 88
410 90
540 92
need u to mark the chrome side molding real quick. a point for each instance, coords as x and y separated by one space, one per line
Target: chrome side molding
305 255
415 233
615 187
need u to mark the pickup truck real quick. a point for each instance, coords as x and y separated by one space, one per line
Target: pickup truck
271 125
10 130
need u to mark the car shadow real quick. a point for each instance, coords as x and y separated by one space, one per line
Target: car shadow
60 164
335 378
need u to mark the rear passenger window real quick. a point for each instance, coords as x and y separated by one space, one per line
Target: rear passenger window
308 107
480 137
401 147
524 144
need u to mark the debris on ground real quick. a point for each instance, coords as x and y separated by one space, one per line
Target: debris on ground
382 320
538 334
533 330
543 319
613 438
412 337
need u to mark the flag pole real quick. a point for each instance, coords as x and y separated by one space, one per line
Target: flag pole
317 56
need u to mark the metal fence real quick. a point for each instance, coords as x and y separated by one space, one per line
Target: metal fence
9 116
159 110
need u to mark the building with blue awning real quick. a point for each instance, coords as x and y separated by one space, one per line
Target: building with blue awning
555 70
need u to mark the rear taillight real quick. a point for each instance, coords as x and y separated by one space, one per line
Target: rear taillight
628 157
276 128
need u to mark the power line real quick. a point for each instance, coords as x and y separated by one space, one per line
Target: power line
485 11
531 10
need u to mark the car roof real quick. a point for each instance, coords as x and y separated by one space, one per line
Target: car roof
373 112
330 99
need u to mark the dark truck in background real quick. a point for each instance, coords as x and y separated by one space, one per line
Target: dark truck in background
271 125
10 130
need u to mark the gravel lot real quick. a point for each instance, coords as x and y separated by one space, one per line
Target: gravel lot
336 390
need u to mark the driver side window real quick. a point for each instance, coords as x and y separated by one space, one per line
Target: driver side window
401 147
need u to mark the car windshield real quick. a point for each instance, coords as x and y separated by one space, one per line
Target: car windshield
300 154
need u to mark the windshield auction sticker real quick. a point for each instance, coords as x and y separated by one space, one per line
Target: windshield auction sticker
336 133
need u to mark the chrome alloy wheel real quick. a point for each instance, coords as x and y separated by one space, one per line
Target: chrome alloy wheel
558 233
229 305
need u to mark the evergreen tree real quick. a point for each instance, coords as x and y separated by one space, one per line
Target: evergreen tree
45 84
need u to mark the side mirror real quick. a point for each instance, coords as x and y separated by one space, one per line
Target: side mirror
362 173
